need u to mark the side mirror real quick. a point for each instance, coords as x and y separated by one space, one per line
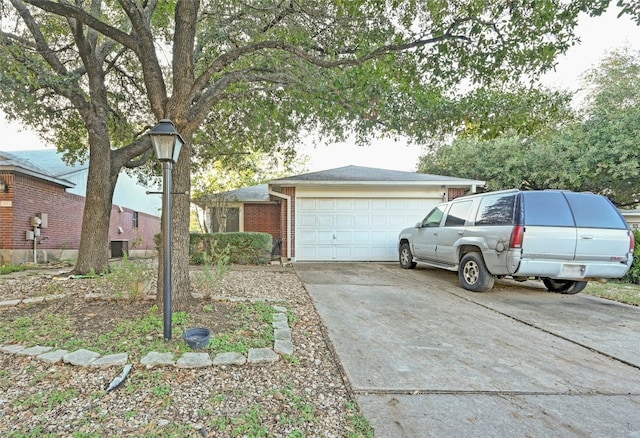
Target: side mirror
419 225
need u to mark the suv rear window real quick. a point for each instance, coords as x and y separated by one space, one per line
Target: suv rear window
547 209
594 211
496 210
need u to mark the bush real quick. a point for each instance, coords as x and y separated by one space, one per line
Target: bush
633 276
244 248
8 269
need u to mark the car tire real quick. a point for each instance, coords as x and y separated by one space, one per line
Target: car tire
568 287
406 258
473 273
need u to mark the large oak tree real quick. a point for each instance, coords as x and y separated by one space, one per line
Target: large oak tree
594 149
94 75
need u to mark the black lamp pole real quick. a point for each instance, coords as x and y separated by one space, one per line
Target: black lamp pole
167 144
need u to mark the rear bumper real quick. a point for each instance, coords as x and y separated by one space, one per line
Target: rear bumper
572 270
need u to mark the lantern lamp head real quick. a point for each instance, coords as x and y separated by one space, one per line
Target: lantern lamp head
166 141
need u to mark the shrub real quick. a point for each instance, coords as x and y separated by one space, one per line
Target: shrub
633 276
8 269
131 278
214 270
244 248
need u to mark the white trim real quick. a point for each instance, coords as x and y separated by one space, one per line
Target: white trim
288 199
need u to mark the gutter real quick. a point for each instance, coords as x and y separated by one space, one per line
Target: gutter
288 199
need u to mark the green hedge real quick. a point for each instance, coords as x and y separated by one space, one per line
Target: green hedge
244 248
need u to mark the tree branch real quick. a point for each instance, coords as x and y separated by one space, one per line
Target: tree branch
240 52
68 10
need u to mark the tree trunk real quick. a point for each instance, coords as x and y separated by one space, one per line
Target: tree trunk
181 287
93 255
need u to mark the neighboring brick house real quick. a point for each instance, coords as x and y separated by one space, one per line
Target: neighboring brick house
41 207
350 213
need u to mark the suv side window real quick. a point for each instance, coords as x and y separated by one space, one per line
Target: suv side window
497 210
548 209
458 214
434 217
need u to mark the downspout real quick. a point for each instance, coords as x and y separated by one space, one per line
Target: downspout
288 198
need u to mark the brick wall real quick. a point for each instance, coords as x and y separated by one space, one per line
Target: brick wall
6 212
263 218
30 196
455 193
64 211
140 237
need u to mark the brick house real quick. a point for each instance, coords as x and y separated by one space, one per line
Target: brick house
41 205
350 213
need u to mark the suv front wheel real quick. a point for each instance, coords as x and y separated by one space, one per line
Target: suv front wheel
406 258
568 287
473 273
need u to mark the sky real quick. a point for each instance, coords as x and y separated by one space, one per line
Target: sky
598 36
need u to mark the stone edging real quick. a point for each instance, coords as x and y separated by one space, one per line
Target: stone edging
282 345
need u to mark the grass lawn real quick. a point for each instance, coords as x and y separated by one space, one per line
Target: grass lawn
623 292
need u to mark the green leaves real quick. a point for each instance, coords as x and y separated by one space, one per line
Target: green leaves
530 139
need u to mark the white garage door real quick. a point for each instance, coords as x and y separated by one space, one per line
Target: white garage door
354 229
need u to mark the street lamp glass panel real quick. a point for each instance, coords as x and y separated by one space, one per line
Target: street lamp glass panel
167 143
177 148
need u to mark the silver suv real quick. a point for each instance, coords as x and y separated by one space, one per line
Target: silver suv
563 238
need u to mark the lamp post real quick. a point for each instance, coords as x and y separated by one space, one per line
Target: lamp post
166 144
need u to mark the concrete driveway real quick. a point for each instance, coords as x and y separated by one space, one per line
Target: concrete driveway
427 358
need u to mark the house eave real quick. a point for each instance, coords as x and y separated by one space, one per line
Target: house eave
292 183
59 181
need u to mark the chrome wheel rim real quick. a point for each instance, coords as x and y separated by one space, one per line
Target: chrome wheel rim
471 272
404 257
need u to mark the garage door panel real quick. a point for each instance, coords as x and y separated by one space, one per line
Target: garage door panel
360 204
379 221
306 204
342 237
397 221
307 236
324 236
354 229
325 204
307 221
325 220
344 204
344 221
379 236
361 237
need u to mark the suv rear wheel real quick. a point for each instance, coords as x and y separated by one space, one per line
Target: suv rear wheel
473 273
406 258
568 287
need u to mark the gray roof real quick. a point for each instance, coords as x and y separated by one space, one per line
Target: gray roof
42 164
358 174
348 175
258 193
48 165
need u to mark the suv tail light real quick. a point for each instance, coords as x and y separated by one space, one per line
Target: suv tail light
632 241
517 235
